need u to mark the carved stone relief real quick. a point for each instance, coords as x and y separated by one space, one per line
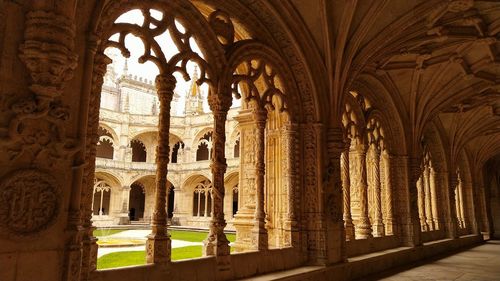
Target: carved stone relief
29 202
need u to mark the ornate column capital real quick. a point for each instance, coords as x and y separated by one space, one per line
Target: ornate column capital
165 85
219 102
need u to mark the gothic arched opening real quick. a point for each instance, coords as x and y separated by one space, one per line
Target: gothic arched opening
104 147
138 151
137 201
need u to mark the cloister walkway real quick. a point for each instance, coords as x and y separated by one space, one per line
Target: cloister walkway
481 263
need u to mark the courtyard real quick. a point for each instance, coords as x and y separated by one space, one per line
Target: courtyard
126 247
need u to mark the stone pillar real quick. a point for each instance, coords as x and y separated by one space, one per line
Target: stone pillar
460 203
429 218
259 230
434 195
216 243
123 217
414 231
374 166
452 222
421 204
244 219
346 189
332 198
363 226
389 218
89 248
158 246
289 137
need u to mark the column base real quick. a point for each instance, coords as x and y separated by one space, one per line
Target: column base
243 223
378 230
349 230
364 230
158 249
260 239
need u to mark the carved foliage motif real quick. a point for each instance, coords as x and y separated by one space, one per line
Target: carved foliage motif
36 133
29 202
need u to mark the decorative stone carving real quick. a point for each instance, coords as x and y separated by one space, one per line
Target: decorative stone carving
29 202
36 133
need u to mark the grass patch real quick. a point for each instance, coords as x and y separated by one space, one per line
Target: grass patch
120 259
105 232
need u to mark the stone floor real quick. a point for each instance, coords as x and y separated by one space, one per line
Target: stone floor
481 263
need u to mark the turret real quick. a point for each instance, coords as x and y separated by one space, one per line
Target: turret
194 98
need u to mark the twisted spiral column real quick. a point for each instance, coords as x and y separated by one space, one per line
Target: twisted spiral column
363 227
216 243
260 232
378 225
158 246
346 189
428 199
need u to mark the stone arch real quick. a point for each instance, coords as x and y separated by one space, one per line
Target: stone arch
203 145
199 189
249 50
111 131
379 94
198 135
231 182
104 199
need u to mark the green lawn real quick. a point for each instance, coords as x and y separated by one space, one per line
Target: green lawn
120 259
106 232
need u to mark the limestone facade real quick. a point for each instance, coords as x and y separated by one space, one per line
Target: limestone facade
125 163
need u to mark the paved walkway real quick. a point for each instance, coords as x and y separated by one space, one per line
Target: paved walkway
481 263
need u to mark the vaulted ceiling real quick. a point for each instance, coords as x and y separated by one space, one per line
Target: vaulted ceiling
438 61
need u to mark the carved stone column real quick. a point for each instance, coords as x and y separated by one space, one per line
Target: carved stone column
123 216
363 226
429 218
90 247
421 204
216 243
434 195
289 138
332 193
158 246
259 229
374 156
414 228
389 219
452 222
244 219
346 189
460 203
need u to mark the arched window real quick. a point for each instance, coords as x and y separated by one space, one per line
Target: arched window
235 199
365 173
202 199
101 198
236 150
204 147
138 151
426 195
177 152
105 144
